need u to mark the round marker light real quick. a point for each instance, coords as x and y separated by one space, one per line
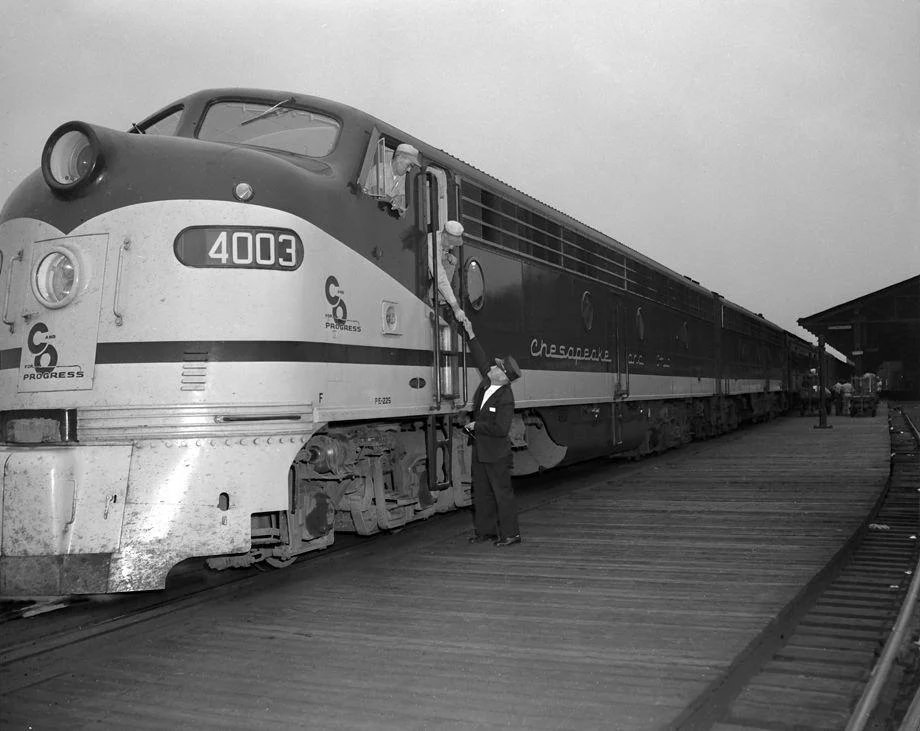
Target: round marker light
390 318
56 278
71 157
243 192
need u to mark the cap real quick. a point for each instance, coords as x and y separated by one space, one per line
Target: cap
454 228
407 150
509 366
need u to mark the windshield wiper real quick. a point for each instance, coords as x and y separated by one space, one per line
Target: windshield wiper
263 115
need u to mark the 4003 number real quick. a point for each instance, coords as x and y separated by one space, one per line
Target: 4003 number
237 247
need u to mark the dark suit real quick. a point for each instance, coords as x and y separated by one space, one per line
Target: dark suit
494 508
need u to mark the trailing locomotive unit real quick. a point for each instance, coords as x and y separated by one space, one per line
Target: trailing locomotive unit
216 342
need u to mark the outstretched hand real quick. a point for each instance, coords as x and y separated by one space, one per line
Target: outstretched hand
461 317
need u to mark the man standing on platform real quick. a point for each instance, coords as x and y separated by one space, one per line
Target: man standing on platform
494 508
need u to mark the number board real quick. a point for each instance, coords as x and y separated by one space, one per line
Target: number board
239 247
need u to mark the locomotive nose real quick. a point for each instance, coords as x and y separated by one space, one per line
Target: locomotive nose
73 501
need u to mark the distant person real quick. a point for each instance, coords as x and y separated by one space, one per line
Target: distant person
445 242
494 508
838 398
387 180
847 390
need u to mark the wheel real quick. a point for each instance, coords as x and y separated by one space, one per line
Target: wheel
275 562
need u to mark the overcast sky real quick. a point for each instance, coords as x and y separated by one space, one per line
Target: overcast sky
768 148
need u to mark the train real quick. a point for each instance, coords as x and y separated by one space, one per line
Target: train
216 342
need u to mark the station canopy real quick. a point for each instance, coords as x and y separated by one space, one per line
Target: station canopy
879 332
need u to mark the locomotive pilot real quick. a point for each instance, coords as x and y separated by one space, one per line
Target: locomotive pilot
387 180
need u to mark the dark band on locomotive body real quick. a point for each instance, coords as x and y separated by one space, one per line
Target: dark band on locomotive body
217 342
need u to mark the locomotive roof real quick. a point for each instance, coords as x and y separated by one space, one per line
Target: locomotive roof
347 113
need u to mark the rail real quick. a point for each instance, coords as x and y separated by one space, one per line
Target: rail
911 720
882 669
911 426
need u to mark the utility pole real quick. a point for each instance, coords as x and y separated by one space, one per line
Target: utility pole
822 380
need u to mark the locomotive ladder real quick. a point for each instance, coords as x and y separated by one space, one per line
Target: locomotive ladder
439 428
449 353
439 442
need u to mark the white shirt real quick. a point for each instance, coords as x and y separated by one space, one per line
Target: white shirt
488 394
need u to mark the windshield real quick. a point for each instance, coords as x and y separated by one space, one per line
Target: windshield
275 126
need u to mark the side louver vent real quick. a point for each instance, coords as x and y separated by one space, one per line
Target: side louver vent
194 371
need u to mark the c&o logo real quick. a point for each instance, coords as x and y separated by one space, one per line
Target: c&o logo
43 366
46 356
338 320
334 298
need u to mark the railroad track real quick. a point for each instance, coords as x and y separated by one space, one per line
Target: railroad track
808 668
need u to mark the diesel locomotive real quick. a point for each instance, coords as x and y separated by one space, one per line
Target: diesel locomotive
216 342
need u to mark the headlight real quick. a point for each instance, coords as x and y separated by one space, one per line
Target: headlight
72 156
56 278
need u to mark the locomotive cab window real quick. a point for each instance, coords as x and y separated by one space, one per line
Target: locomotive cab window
385 172
280 126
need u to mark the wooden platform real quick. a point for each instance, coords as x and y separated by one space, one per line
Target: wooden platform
630 593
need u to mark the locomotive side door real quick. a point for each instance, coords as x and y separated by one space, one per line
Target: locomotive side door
447 344
620 364
446 341
619 368
718 341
